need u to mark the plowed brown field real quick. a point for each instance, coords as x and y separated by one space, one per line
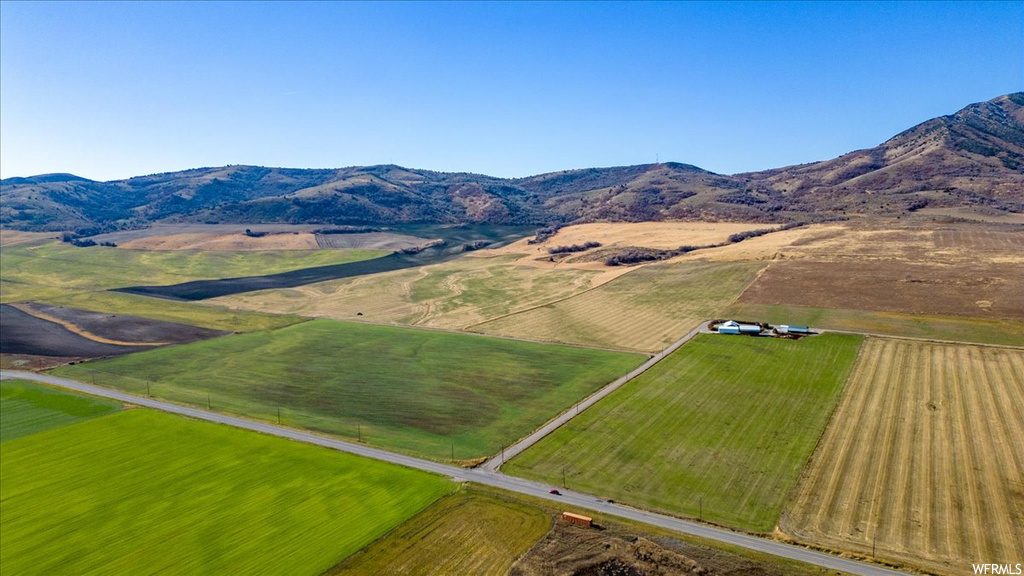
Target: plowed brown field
923 460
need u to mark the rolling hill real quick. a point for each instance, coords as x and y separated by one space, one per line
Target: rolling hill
974 157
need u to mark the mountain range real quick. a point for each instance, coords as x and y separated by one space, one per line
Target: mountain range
973 158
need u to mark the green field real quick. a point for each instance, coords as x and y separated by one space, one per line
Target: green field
646 309
1004 332
195 314
471 532
141 492
418 391
27 408
725 421
53 269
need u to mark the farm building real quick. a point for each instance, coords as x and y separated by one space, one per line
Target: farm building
733 327
790 329
585 521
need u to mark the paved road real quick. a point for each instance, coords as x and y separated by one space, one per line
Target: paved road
494 463
479 476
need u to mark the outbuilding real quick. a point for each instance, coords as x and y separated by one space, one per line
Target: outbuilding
730 327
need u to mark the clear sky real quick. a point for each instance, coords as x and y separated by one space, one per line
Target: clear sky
114 90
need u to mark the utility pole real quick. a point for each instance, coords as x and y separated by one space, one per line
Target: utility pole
147 388
701 517
453 451
359 431
503 454
279 415
209 403
563 476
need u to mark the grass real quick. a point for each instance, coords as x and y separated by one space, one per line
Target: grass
952 328
420 391
646 309
27 408
55 269
201 315
470 532
142 492
725 423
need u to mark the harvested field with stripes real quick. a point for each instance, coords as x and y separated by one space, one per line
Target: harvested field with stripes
923 460
647 309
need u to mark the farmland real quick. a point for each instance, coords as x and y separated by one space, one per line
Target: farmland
725 424
452 294
27 408
53 269
141 492
983 290
400 388
202 315
646 309
998 331
923 460
471 532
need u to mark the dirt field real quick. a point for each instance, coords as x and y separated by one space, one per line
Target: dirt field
119 328
56 331
924 459
24 334
983 290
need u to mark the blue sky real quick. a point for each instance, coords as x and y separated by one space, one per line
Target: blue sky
114 90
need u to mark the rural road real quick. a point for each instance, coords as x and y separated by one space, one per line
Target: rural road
488 478
512 451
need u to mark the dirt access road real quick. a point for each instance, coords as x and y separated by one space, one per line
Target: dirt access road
494 479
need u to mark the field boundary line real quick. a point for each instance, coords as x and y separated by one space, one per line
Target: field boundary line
494 479
496 461
916 339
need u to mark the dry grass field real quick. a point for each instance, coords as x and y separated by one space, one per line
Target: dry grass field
659 235
14 237
647 309
226 242
923 459
490 285
452 294
471 532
